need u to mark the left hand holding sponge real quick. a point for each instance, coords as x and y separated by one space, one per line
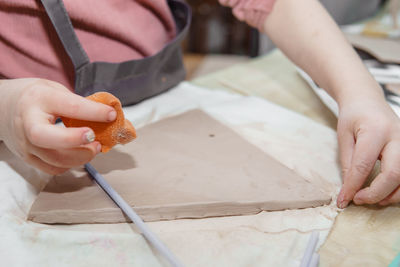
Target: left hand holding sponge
29 108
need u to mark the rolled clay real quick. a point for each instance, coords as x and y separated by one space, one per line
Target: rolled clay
187 166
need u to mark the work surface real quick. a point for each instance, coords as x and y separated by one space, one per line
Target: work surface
266 239
361 236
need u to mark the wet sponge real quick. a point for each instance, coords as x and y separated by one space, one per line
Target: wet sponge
120 131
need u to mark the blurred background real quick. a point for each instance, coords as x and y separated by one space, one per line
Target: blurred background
217 39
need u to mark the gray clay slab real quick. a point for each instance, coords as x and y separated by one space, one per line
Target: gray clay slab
187 166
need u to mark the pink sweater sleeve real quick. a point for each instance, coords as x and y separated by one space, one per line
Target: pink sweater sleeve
253 12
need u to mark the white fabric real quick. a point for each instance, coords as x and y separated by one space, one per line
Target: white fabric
266 239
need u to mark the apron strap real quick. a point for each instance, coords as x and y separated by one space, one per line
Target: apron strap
58 15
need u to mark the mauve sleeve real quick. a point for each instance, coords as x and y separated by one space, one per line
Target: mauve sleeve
253 12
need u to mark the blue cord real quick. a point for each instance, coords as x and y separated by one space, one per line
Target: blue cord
126 208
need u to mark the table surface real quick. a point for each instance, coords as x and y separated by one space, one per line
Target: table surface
361 236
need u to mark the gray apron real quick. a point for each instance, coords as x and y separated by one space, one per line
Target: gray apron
131 81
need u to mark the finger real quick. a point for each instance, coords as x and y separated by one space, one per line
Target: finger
65 158
387 181
45 167
40 132
67 104
394 197
379 189
94 146
366 151
346 148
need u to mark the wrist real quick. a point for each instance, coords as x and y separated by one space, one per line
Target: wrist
366 92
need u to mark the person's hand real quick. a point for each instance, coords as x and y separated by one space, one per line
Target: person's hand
369 130
28 111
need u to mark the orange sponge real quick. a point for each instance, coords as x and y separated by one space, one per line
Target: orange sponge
109 134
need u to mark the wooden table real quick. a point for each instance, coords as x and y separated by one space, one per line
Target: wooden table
361 236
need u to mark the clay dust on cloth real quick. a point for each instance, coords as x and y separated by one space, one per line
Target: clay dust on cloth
266 239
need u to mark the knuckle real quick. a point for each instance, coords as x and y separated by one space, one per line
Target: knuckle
33 93
72 107
383 125
345 171
34 89
394 174
361 130
363 167
57 159
55 85
33 133
70 139
30 95
28 158
372 197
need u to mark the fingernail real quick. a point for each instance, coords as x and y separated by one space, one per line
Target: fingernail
112 115
98 148
341 202
89 136
340 197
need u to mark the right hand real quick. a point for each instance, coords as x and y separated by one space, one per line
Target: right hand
28 111
369 130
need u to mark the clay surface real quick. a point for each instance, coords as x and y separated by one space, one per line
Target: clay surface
187 166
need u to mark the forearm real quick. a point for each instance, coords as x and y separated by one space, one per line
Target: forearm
306 33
